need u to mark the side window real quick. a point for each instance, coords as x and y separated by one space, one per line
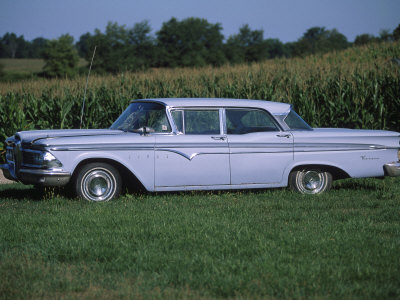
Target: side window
177 116
191 121
139 115
242 121
157 119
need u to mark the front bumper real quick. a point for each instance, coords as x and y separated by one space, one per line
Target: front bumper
37 176
392 169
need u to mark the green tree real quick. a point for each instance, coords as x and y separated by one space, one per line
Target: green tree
83 45
364 39
141 46
320 40
13 46
119 48
1 70
247 46
37 47
275 48
190 42
396 33
385 35
61 57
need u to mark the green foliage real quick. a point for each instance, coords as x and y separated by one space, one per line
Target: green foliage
247 46
37 47
12 46
385 35
267 244
364 39
120 49
357 88
61 57
190 42
396 33
319 40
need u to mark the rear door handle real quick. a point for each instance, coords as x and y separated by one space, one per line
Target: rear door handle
219 138
284 135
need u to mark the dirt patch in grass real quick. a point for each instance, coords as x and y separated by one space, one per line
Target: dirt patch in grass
3 180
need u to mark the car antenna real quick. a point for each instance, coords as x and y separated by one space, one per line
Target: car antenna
87 81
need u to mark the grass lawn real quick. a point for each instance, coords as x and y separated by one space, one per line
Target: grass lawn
31 65
27 65
245 244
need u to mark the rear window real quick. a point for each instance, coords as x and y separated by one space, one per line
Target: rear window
243 121
295 122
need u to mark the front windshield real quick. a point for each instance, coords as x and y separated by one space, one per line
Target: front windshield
143 117
295 122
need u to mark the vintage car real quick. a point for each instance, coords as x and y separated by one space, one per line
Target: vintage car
200 144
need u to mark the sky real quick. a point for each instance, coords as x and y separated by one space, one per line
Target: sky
286 20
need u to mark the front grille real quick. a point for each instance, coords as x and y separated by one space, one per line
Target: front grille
30 158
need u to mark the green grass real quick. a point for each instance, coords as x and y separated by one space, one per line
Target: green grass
27 65
22 65
243 244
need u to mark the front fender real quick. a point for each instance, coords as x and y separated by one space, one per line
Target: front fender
139 163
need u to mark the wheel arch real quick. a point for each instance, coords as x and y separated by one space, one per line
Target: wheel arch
337 173
129 179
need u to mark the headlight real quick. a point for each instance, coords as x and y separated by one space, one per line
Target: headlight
40 159
49 161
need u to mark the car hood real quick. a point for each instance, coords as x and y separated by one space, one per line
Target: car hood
35 136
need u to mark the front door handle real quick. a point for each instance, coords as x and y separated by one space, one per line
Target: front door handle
219 138
284 135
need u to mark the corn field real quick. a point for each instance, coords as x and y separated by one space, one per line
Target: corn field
356 88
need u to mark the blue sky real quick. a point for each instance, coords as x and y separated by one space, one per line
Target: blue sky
286 20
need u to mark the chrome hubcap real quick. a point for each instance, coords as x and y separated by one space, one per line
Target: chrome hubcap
98 185
311 182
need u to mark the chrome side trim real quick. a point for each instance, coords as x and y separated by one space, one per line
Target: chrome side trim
48 137
222 144
102 147
337 147
259 152
189 157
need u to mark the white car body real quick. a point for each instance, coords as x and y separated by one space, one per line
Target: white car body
230 156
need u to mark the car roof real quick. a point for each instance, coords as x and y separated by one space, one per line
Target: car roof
272 107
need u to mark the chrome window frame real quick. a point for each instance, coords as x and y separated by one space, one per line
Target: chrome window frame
273 119
166 109
221 116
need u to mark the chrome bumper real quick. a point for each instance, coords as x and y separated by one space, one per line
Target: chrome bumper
8 172
392 169
37 176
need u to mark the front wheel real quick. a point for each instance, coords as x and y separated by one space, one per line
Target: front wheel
98 182
310 181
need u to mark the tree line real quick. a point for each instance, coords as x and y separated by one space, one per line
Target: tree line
191 42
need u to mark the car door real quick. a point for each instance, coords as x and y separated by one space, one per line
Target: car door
259 151
198 155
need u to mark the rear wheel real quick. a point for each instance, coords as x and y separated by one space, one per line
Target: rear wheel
98 182
310 181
